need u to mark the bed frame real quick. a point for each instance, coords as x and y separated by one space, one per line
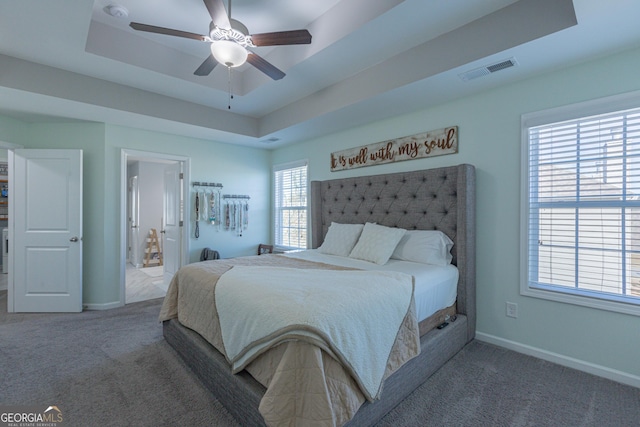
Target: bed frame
434 199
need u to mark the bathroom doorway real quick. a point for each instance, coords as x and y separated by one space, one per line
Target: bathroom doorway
144 222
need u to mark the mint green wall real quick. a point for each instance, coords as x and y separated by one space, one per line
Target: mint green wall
88 137
489 128
242 170
12 130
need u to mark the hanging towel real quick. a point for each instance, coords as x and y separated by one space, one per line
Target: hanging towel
203 206
246 216
240 219
227 216
197 227
213 206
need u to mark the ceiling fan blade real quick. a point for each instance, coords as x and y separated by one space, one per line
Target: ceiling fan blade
167 31
218 13
264 66
206 67
282 38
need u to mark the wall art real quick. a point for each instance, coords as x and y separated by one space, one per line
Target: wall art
428 144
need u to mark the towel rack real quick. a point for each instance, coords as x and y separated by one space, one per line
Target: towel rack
236 196
206 184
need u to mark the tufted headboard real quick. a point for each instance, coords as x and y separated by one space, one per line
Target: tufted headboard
433 199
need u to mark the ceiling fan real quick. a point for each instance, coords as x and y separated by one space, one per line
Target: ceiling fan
230 41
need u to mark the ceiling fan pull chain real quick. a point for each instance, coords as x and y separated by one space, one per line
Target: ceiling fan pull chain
230 94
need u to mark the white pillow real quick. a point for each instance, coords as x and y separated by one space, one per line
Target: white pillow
340 239
424 246
376 243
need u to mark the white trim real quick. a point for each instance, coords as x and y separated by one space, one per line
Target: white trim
10 147
291 165
274 212
593 107
524 207
568 298
570 362
104 306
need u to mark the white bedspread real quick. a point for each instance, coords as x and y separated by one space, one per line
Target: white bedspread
436 286
260 307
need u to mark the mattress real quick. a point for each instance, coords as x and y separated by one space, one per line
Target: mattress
435 285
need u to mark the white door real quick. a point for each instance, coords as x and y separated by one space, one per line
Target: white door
171 232
46 236
133 219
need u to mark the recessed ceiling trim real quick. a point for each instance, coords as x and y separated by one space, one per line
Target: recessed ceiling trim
478 39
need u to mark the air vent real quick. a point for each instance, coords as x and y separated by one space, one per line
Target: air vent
487 69
270 140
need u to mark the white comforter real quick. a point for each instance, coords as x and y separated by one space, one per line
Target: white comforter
435 286
260 307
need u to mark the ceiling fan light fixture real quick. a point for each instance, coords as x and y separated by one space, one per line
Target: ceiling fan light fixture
233 34
229 53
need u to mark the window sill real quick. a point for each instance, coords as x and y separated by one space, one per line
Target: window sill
585 301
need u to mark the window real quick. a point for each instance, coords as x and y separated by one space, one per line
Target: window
582 209
290 192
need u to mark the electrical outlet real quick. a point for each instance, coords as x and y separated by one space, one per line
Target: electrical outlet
512 309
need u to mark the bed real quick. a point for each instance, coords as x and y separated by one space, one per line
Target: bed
436 199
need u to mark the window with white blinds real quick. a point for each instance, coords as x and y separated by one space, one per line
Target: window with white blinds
290 192
583 209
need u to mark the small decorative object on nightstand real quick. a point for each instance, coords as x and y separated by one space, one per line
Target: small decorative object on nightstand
265 249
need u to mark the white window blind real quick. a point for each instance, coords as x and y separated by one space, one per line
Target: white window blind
583 231
290 192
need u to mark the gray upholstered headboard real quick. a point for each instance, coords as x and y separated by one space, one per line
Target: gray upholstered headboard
433 199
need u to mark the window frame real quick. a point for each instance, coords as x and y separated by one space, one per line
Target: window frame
570 112
275 227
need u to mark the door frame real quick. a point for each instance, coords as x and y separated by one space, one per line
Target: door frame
125 155
10 146
133 241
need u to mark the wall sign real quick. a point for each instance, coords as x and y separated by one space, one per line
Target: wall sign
429 144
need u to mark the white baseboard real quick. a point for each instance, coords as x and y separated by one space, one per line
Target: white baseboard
107 306
570 362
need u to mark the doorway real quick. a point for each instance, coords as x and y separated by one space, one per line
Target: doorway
147 266
4 222
4 155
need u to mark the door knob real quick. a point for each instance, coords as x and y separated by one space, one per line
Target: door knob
73 239
162 231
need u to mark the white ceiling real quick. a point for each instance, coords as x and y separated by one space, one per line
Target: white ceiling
368 60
